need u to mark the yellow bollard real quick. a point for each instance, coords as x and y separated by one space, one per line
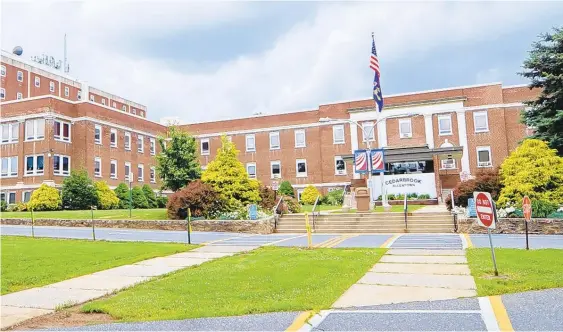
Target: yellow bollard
308 228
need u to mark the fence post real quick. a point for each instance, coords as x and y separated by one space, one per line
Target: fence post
32 224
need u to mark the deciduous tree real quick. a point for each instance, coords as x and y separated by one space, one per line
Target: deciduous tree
78 191
177 163
310 194
107 199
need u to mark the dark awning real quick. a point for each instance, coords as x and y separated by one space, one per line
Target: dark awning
416 153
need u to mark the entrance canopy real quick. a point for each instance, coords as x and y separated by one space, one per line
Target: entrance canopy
416 153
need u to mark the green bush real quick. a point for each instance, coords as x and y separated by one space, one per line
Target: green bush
78 191
335 198
122 192
138 198
18 207
150 195
201 198
556 215
3 206
107 199
309 195
423 196
161 201
45 198
542 209
286 189
390 197
412 196
399 197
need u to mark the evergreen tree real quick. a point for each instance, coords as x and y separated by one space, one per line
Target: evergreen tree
45 198
286 189
107 199
139 199
228 176
122 192
151 197
544 68
177 164
79 192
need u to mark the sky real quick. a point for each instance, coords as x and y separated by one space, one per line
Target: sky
206 61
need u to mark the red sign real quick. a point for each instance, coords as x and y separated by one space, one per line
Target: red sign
484 209
527 208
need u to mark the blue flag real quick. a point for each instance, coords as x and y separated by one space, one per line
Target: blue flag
374 65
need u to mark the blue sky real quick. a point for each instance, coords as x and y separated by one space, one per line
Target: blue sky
204 61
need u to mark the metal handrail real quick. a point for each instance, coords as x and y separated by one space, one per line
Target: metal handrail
276 208
313 210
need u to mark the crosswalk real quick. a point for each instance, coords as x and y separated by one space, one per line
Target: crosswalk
428 241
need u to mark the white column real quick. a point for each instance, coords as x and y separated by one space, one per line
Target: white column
85 91
462 132
429 130
382 133
354 145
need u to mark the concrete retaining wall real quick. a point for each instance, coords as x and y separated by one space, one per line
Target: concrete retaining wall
513 226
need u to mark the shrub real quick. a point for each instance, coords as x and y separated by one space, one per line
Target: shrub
423 196
107 199
542 209
122 192
3 206
78 191
150 195
290 205
390 197
399 197
335 197
45 198
286 189
267 198
161 201
138 198
18 207
201 198
412 196
486 180
309 195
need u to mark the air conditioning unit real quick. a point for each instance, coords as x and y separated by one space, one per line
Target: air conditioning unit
406 135
340 172
448 166
484 164
276 176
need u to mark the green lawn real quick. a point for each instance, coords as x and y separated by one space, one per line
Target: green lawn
32 262
265 280
519 270
309 208
144 214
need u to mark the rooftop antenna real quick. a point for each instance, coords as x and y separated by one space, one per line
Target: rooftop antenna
66 67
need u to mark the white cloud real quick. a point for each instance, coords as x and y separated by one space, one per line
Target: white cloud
315 62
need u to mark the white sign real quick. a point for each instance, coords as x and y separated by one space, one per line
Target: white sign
420 183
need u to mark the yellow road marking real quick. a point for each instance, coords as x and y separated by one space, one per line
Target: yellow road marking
501 315
299 321
389 240
340 240
326 243
468 240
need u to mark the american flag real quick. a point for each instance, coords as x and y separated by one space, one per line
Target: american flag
374 65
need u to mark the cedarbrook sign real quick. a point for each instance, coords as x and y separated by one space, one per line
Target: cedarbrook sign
420 183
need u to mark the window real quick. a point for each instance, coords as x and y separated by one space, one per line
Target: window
3 71
134 111
484 156
299 193
10 132
2 93
92 98
128 175
140 144
124 108
11 197
447 164
368 132
152 146
98 167
250 143
26 196
153 174
19 96
67 91
445 124
275 169
251 170
405 128
97 134
204 146
34 129
103 101
127 142
338 134
113 169
61 165
113 138
34 165
51 86
141 113
79 95
300 138
301 168
37 82
481 122
140 173
9 167
62 131
114 105
274 140
339 166
19 76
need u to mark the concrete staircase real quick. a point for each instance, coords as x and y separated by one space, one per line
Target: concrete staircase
387 222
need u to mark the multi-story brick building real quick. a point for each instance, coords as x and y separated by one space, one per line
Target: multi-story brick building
48 128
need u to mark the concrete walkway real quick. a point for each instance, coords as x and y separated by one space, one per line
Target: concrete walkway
407 275
20 306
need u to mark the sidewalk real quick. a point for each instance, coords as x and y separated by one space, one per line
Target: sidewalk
20 306
407 275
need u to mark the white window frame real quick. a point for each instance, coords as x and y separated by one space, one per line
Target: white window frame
7 195
335 129
152 146
298 144
2 93
142 114
299 193
406 134
51 86
248 165
443 132
481 164
127 174
113 132
67 91
19 76
477 114
35 171
124 108
140 147
35 136
272 163
61 171
250 148
23 195
204 152
300 174
61 137
113 163
104 101
127 141
13 129
99 140
371 133
141 178
152 174
3 71
37 81
12 170
19 96
92 98
99 173
79 94
114 104
273 134
448 164
336 170
134 111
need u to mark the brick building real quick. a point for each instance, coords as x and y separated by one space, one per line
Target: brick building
49 127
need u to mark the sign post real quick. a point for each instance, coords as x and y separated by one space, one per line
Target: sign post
32 224
93 229
189 226
405 207
527 209
308 228
486 214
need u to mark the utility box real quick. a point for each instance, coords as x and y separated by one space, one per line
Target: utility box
362 199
